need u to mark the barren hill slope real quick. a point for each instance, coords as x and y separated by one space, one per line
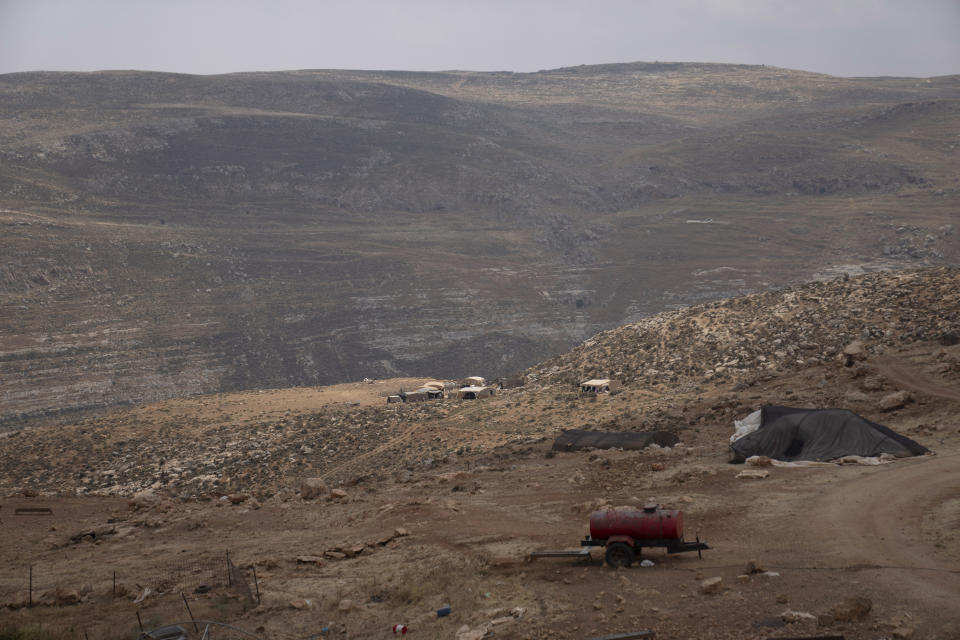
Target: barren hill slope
166 234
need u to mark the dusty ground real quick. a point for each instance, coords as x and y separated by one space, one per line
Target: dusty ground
458 532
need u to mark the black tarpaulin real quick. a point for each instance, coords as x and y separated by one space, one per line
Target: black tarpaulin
820 434
577 439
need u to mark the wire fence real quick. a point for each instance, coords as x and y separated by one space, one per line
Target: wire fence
47 584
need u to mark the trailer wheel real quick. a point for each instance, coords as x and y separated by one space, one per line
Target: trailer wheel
620 554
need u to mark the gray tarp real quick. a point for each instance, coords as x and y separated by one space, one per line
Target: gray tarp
577 439
820 434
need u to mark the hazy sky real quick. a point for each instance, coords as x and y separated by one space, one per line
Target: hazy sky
839 37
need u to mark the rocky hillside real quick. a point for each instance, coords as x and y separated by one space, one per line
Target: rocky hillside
750 338
167 235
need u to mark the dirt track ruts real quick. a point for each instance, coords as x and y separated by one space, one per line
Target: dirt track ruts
874 520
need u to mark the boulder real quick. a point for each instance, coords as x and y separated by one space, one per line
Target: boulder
753 567
338 494
712 585
143 500
313 488
851 609
894 401
853 352
66 597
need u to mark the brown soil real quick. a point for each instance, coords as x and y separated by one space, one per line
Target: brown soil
885 533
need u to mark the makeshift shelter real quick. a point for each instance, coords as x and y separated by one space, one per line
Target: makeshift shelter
600 385
474 393
420 395
473 381
784 433
578 439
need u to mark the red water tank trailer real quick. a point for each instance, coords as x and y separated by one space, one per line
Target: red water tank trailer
624 532
646 524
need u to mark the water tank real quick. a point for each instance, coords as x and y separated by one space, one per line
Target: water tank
649 523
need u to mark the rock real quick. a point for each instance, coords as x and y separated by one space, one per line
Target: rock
29 493
753 474
313 488
66 597
338 494
759 461
743 577
54 542
902 633
851 609
254 504
894 401
712 585
346 605
782 599
857 397
791 617
334 555
753 567
400 532
301 603
466 633
317 560
237 498
853 352
143 500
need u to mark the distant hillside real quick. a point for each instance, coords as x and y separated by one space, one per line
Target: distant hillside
166 234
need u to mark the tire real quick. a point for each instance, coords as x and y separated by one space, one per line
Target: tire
620 554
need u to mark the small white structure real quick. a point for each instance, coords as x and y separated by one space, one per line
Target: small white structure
473 381
600 385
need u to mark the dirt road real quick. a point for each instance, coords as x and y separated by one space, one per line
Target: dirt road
873 522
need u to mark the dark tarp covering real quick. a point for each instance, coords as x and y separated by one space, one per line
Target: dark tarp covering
577 439
820 434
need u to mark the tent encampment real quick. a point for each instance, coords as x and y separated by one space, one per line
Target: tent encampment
784 433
